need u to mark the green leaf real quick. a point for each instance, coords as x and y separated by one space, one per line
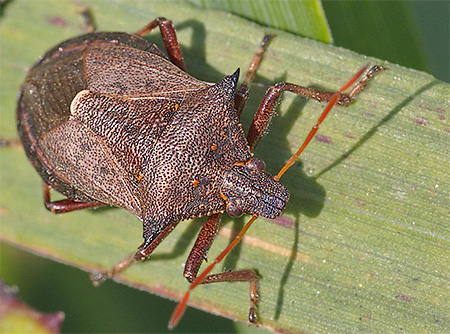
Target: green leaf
363 244
364 26
305 18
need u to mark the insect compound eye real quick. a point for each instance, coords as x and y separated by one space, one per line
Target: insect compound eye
256 163
233 210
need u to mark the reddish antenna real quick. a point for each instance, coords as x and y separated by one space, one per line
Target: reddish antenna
179 310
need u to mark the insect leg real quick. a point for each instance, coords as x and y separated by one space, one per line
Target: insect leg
244 275
198 255
88 19
201 247
242 93
267 107
203 279
169 37
66 205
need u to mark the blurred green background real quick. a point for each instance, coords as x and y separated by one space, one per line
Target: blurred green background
414 34
384 29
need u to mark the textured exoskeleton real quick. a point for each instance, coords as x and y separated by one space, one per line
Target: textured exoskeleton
108 119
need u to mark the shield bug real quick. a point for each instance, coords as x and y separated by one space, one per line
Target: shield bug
109 119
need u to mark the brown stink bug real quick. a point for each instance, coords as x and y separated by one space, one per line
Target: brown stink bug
109 119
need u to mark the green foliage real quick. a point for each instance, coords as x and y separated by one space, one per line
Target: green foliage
414 34
305 18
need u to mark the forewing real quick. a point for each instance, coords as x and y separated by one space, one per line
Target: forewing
122 70
130 127
79 156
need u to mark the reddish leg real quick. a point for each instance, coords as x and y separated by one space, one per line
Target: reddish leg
198 255
88 19
201 247
244 275
334 99
66 205
169 37
267 107
242 93
144 252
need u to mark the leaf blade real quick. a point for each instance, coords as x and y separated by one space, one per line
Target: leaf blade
353 213
305 18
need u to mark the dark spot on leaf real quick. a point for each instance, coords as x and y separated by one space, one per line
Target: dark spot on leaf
442 118
421 121
436 320
323 139
57 21
349 135
403 296
282 330
284 221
